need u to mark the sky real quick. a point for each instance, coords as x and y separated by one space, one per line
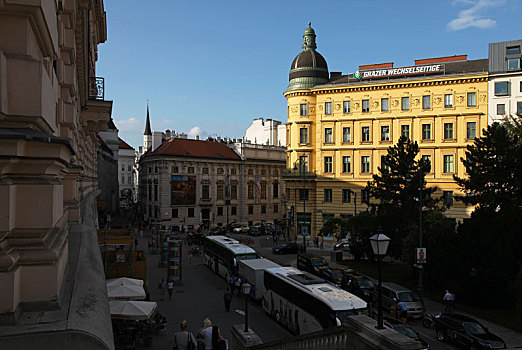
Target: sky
210 67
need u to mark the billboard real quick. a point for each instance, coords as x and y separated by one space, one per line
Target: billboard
183 190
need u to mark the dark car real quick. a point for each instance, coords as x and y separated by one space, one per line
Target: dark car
359 285
311 263
286 248
334 276
254 231
403 328
466 332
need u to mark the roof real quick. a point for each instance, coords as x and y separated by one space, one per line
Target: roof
195 149
232 245
123 144
147 123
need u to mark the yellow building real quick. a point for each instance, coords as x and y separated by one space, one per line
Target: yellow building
340 126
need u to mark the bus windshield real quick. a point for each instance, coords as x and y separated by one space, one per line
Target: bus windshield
246 257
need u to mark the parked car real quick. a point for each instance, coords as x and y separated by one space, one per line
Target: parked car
403 328
240 229
286 248
343 245
392 293
359 285
334 276
466 332
311 263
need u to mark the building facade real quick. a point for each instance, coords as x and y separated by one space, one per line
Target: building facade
52 107
266 132
339 129
126 170
190 183
505 80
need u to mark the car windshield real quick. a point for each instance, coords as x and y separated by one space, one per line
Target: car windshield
366 283
337 274
473 328
408 296
407 331
319 262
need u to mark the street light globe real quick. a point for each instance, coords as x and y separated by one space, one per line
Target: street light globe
380 244
246 288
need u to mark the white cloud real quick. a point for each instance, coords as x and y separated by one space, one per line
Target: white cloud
130 125
473 16
195 131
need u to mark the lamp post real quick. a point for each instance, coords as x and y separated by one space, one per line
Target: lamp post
302 172
246 292
379 246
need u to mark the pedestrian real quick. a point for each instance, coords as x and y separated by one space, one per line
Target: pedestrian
403 311
170 287
206 335
190 256
227 298
141 233
232 283
184 340
322 242
237 283
161 288
149 243
449 299
136 243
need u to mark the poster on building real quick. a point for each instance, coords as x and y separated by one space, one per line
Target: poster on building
183 190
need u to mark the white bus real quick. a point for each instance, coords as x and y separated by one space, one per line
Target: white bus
304 303
222 254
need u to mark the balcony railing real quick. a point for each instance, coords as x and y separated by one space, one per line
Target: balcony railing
291 173
97 88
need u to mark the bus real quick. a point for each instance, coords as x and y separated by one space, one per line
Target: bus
222 254
304 303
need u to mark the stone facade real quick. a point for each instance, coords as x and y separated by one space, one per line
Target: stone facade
266 132
126 171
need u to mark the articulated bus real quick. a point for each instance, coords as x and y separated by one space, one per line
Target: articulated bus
304 303
222 254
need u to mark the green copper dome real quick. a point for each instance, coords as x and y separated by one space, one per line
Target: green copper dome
309 68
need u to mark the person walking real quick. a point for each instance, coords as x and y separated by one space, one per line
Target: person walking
184 340
170 287
232 283
237 283
402 309
161 288
449 299
206 335
227 298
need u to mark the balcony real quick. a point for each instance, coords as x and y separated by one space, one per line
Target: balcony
297 174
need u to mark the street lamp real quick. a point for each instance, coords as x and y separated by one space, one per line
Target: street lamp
246 292
302 172
379 246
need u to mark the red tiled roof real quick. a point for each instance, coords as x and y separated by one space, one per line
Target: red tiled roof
124 144
195 148
442 59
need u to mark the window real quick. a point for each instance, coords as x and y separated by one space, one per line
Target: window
150 192
174 212
512 50
129 179
275 190
205 192
346 107
190 213
303 163
251 209
155 192
385 104
263 190
448 131
347 135
365 164
448 197
365 106
220 171
150 169
426 102
304 109
471 130
174 169
219 211
303 135
385 133
250 191
263 172
190 170
427 159
384 164
219 194
303 194
426 131
347 195
347 160
328 164
276 208
519 108
155 169
405 131
233 192
129 167
448 101
405 103
501 88
122 166
327 195
233 171
204 171
365 130
365 196
123 179
501 109
448 164
233 210
328 135
472 99
263 209
328 108
513 63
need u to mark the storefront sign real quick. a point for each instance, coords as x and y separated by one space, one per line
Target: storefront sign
395 72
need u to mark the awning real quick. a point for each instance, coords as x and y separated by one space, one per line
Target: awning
132 310
125 292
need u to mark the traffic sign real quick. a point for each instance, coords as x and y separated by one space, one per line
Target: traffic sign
421 255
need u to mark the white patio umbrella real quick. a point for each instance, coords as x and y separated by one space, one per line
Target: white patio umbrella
132 309
125 292
125 281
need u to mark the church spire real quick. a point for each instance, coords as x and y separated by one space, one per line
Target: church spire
147 125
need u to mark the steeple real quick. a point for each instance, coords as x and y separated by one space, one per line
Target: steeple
147 125
309 38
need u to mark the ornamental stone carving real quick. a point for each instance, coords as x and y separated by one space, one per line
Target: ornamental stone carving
320 107
294 109
416 102
312 109
483 98
437 100
460 99
375 104
337 106
395 103
356 105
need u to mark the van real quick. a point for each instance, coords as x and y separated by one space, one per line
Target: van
311 263
393 293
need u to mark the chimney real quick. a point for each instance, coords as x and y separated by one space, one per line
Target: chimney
168 134
197 137
335 74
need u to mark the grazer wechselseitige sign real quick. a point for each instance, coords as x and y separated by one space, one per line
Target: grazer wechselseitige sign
400 71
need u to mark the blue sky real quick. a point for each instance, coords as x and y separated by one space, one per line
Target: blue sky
211 67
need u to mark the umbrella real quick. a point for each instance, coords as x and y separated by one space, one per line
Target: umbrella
125 281
125 292
131 309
